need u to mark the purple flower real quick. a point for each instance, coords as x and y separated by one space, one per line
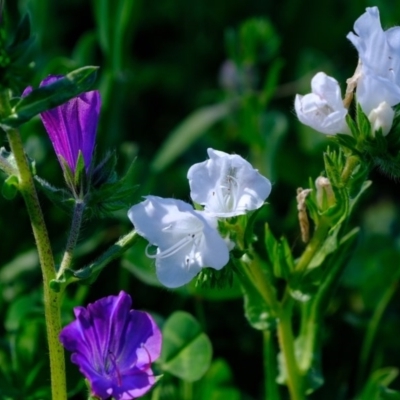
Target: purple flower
114 347
72 126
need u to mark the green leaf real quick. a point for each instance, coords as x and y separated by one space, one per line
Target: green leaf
23 31
388 394
378 380
49 96
257 312
136 262
187 132
279 253
18 311
217 383
186 351
60 197
364 126
10 187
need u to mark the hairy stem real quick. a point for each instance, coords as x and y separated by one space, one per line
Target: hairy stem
51 299
73 237
115 251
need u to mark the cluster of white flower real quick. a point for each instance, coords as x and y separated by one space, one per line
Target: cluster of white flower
377 79
188 240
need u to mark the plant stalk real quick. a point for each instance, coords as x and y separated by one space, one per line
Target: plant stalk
51 299
73 237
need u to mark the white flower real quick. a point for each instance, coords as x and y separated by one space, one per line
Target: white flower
187 240
227 185
323 109
381 118
379 52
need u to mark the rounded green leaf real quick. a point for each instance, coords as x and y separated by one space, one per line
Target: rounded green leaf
187 351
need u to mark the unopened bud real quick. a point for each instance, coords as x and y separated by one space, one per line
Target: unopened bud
381 117
325 196
302 213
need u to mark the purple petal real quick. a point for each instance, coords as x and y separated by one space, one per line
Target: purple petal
72 126
114 347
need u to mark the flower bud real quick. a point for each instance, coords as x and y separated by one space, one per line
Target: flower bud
381 117
325 196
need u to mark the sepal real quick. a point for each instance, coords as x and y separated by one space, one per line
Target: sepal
215 279
60 197
110 194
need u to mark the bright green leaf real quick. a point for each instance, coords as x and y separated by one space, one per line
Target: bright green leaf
186 351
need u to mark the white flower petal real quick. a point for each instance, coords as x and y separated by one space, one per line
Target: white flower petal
381 118
227 185
379 52
323 109
186 240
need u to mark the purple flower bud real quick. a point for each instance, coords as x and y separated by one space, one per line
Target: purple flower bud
114 347
72 126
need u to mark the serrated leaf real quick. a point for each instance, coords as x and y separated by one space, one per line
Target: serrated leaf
186 351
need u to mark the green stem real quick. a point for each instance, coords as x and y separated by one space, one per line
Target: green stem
351 163
51 299
73 237
286 341
313 246
270 368
372 329
115 251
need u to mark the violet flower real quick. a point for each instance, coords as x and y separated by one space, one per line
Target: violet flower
114 347
72 126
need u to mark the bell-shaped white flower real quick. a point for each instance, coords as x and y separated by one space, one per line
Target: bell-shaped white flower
381 118
323 109
187 240
379 52
227 185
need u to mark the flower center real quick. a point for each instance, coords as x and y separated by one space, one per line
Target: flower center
188 235
114 368
226 195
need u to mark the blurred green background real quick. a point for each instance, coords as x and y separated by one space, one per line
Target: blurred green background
177 77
